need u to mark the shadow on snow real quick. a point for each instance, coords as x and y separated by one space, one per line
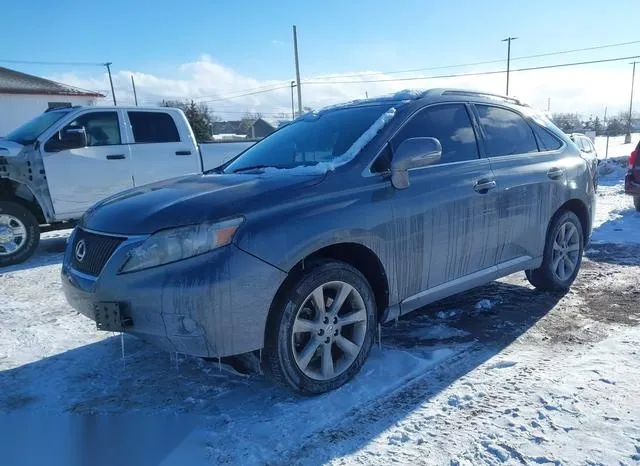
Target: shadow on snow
245 419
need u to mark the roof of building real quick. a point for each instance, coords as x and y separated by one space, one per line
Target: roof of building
15 82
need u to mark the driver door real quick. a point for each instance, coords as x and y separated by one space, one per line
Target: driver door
80 177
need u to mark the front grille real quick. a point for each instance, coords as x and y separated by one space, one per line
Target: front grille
91 257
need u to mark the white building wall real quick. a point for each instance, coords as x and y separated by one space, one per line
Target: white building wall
17 109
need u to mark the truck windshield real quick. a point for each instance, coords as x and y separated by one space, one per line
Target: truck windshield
29 132
311 139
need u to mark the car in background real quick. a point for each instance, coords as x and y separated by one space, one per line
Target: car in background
632 178
588 151
345 219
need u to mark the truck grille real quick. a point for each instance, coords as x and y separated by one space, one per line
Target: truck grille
93 254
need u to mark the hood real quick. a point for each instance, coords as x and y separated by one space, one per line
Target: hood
10 148
190 200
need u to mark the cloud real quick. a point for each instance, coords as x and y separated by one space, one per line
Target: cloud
584 89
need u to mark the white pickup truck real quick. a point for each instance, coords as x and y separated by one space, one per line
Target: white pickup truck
53 168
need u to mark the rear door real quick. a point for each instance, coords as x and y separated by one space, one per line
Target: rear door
530 182
158 150
78 178
445 220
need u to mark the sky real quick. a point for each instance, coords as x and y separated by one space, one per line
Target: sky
213 51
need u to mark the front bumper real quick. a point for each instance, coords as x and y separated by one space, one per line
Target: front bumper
631 186
211 305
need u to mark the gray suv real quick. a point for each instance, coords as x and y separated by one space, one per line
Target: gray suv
345 219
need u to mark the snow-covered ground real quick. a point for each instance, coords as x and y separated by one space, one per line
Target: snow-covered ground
499 375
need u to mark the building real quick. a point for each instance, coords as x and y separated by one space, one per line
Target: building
24 96
252 129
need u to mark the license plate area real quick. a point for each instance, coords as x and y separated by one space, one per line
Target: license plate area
109 317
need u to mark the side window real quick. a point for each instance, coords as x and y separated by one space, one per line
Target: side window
546 141
102 128
450 124
505 132
153 127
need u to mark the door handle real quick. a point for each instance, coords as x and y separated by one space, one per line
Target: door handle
183 152
115 157
555 173
484 186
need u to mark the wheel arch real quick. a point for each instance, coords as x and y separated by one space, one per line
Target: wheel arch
11 190
355 254
581 211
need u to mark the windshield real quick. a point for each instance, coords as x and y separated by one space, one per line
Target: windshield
313 138
29 132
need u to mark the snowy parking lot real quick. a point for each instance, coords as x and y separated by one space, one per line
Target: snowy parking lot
499 375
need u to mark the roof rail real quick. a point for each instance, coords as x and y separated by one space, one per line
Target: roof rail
482 94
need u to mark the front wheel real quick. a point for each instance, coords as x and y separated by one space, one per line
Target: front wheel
636 203
321 332
19 233
562 254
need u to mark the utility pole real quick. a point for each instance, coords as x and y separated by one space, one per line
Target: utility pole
113 94
627 138
548 104
295 51
366 94
135 96
293 112
508 41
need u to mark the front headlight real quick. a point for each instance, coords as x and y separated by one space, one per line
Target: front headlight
181 243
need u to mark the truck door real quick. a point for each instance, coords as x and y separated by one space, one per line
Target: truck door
159 151
78 178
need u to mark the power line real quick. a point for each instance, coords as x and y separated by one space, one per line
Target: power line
480 73
246 94
29 62
489 62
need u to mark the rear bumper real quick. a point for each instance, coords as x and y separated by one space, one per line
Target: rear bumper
211 305
631 186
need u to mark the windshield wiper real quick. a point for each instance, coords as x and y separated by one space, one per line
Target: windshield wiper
253 167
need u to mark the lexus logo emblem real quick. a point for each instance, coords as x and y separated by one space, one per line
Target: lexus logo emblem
81 250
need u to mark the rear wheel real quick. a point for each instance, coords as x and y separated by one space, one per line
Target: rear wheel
320 334
19 233
562 254
636 203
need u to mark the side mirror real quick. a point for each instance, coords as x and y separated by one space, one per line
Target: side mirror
413 153
69 138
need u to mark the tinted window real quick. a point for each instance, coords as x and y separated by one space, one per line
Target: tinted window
150 127
505 132
546 141
102 128
450 124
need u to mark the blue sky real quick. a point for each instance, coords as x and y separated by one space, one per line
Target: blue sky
253 39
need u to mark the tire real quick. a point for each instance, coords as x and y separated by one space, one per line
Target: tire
16 218
558 276
286 351
636 203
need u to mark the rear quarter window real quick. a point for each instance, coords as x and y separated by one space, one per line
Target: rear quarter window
546 140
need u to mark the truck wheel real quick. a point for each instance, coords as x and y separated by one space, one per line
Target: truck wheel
562 254
19 233
636 203
320 333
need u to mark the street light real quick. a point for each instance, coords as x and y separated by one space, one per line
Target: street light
627 137
508 41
